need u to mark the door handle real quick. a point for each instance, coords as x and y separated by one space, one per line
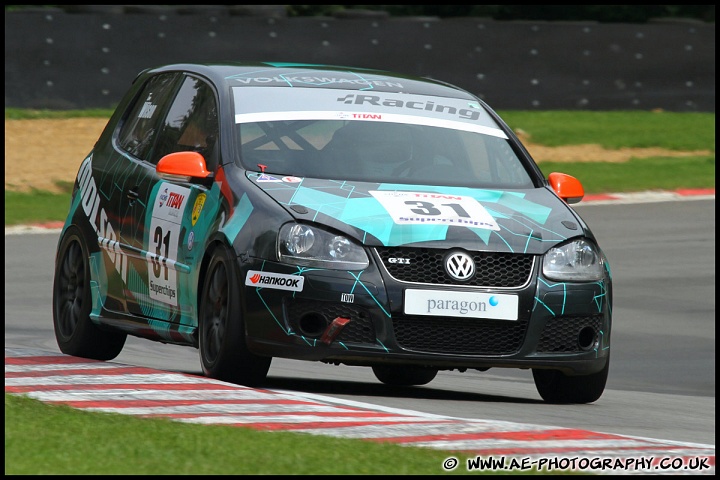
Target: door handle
133 195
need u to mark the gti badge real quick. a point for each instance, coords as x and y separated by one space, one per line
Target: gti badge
404 261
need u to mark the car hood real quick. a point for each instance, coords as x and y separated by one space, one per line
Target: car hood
381 214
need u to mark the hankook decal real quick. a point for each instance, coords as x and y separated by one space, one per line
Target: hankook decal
278 281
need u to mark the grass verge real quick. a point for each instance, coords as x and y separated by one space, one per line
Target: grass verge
42 439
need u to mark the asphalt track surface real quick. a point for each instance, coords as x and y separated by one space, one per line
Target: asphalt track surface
121 387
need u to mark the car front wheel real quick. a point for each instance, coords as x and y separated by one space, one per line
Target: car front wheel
75 332
223 352
404 375
556 387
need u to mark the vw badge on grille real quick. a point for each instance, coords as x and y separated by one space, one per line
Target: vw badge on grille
460 266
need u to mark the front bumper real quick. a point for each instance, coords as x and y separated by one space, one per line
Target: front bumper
563 326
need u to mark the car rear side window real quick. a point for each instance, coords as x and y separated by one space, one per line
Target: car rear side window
139 129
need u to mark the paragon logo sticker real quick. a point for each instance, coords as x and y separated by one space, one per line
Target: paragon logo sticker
277 281
461 304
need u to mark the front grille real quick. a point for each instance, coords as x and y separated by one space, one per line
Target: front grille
360 329
563 334
426 265
464 336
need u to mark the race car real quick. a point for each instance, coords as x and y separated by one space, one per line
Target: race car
329 214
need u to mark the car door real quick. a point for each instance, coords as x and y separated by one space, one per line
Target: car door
159 214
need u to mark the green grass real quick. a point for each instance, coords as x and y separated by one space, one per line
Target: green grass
36 207
636 175
43 439
28 114
617 129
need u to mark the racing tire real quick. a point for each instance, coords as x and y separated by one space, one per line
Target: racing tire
556 387
404 375
75 332
224 354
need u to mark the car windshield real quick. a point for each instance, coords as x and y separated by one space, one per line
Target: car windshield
379 146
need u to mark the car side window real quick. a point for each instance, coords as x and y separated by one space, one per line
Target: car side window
191 123
139 129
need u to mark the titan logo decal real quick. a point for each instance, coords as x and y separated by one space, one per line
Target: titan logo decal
274 280
90 202
175 200
197 208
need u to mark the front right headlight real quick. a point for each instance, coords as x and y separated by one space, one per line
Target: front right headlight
301 244
578 260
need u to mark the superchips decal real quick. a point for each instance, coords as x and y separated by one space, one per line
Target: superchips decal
163 241
417 208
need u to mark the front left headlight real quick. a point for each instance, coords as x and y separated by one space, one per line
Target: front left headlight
576 261
301 244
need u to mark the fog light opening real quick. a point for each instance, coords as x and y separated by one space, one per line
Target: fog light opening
587 338
312 325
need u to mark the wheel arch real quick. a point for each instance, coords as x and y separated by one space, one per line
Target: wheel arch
218 241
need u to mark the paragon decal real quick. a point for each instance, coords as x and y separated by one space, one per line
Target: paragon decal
461 304
277 281
461 307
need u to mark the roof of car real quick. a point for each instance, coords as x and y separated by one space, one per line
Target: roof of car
297 75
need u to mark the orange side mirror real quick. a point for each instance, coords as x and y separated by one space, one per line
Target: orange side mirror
567 187
183 164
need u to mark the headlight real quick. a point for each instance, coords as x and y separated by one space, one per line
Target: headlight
300 244
575 261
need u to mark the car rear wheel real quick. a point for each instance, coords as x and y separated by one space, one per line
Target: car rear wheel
223 352
75 332
556 387
404 375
